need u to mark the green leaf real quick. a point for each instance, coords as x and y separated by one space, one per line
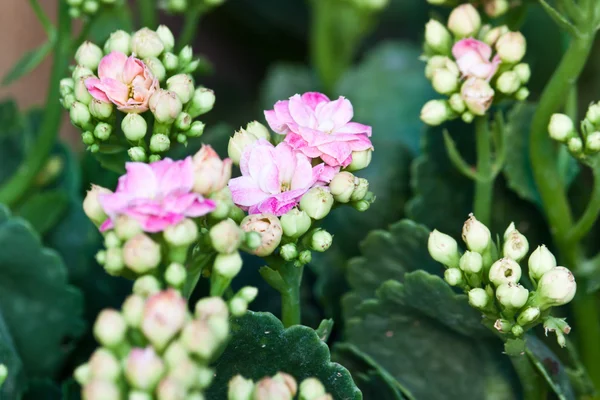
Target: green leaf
44 210
284 80
42 311
28 63
550 367
13 385
260 347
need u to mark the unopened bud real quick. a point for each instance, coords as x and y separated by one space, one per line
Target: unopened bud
237 144
516 246
435 112
66 86
165 105
141 254
271 389
104 365
137 154
81 72
196 129
210 307
522 94
561 127
443 249
146 43
471 262
88 55
92 205
80 114
110 328
81 92
175 275
228 265
436 62
342 186
133 310
126 227
457 103
305 257
146 286
361 190
175 354
164 315
258 130
360 160
289 252
134 127
156 67
523 71
100 109
81 374
113 260
508 82
437 37
295 223
511 47
269 228
505 270
240 388
118 41
139 395
226 236
593 114
159 143
478 298
592 142
496 8
238 307
556 288
166 37
182 234
182 85
444 81
478 95
575 145
202 102
528 316
311 388
143 368
185 55
321 240
464 21
517 330
560 327
453 276
476 235
98 389
317 202
199 339
503 325
512 295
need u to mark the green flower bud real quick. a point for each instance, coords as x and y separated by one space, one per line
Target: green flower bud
92 207
528 316
196 129
110 328
146 43
592 142
103 131
522 94
305 257
361 190
204 378
523 71
118 41
453 276
317 202
100 109
575 145
508 82
226 236
199 339
252 240
185 373
182 85
113 262
238 143
210 307
165 105
143 368
478 298
443 249
248 293
360 160
561 127
137 154
66 86
505 270
471 262
146 285
555 288
104 365
259 130
444 81
240 388
166 37
517 330
156 67
159 143
139 395
165 314
467 117
435 112
100 390
593 114
183 122
80 115
464 21
321 240
496 8
503 325
311 389
516 246
342 186
111 240
512 295
88 55
141 254
558 326
81 92
295 223
269 228
493 35
182 234
81 374
511 47
175 275
437 37
238 307
222 198
457 104
476 235
74 13
170 61
175 354
436 62
81 72
185 55
228 265
133 310
202 102
90 7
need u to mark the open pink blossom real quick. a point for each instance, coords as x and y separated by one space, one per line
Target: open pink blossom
319 127
474 59
157 195
124 81
273 178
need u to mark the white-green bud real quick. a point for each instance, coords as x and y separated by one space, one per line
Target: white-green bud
517 330
508 82
182 85
88 138
81 72
436 62
248 293
444 81
443 249
493 35
111 240
511 47
295 223
478 298
139 395
170 61
528 316
200 338
98 389
100 109
92 206
156 67
88 55
137 154
80 115
471 262
104 365
185 55
592 142
228 265
360 160
110 328
342 186
90 7
503 325
516 246
118 41
81 374
226 236
561 127
505 270
202 102
237 144
321 240
141 254
146 285
593 114
66 86
523 71
311 389
540 262
476 235
258 130
575 145
159 143
182 234
317 202
165 105
113 262
165 313
81 92
467 117
146 43
556 288
437 37
435 112
196 129
175 354
175 275
166 37
509 230
457 103
134 127
240 388
361 190
238 306
143 368
133 310
453 276
512 295
269 228
560 327
464 21
305 257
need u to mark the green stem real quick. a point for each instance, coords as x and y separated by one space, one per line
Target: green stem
534 387
587 330
190 26
195 272
290 297
590 215
484 188
43 18
20 181
148 14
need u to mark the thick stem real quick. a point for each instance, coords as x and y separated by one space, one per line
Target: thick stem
20 181
148 14
587 329
484 188
290 297
531 382
190 26
590 215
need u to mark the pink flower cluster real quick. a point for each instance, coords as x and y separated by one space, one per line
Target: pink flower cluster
319 140
474 59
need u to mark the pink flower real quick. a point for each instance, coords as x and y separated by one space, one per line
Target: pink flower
273 178
157 195
319 127
124 81
473 59
211 173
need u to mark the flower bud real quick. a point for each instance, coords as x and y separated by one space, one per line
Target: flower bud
202 102
164 315
156 67
528 316
360 160
118 41
92 205
523 71
457 103
182 234
443 249
226 236
271 389
211 174
311 388
592 142
512 295
159 143
295 223
166 37
228 265
100 390
126 227
196 129
289 252
503 325
453 276
170 61
81 72
575 145
464 21
199 339
593 114
137 154
540 262
361 190
508 82
505 270
511 47
240 388
146 43
90 7
494 34
182 85
113 260
139 395
476 235
66 86
516 246
211 307
560 327
100 109
81 374
478 95
175 275
110 328
342 186
517 330
146 286
80 114
259 130
81 92
269 228
321 240
141 254
88 138
134 127
165 105
88 55
471 262
437 37
185 55
133 310
238 306
478 298
222 198
317 202
143 368
444 81
556 288
237 144
561 127
104 365
436 62
435 112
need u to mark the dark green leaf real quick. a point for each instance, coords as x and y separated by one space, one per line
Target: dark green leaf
13 385
44 210
550 367
260 347
42 311
28 63
43 389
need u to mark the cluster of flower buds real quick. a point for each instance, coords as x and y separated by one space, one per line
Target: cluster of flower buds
135 94
490 276
79 8
154 348
493 8
475 66
182 6
580 144
281 386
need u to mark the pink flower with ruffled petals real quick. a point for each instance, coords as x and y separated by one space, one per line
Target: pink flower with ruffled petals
157 195
273 178
124 81
320 128
473 59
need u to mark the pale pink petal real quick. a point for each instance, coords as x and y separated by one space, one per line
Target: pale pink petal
469 45
201 207
92 85
276 125
154 224
106 225
116 91
260 155
312 99
336 153
301 113
303 175
282 111
133 67
324 172
283 157
360 143
354 128
140 181
268 179
245 191
339 111
111 66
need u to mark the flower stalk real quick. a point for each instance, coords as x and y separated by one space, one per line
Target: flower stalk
484 186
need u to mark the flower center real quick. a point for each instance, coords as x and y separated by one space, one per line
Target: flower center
326 126
285 186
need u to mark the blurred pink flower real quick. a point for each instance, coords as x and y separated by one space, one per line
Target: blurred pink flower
319 127
473 59
211 173
157 195
273 178
125 81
